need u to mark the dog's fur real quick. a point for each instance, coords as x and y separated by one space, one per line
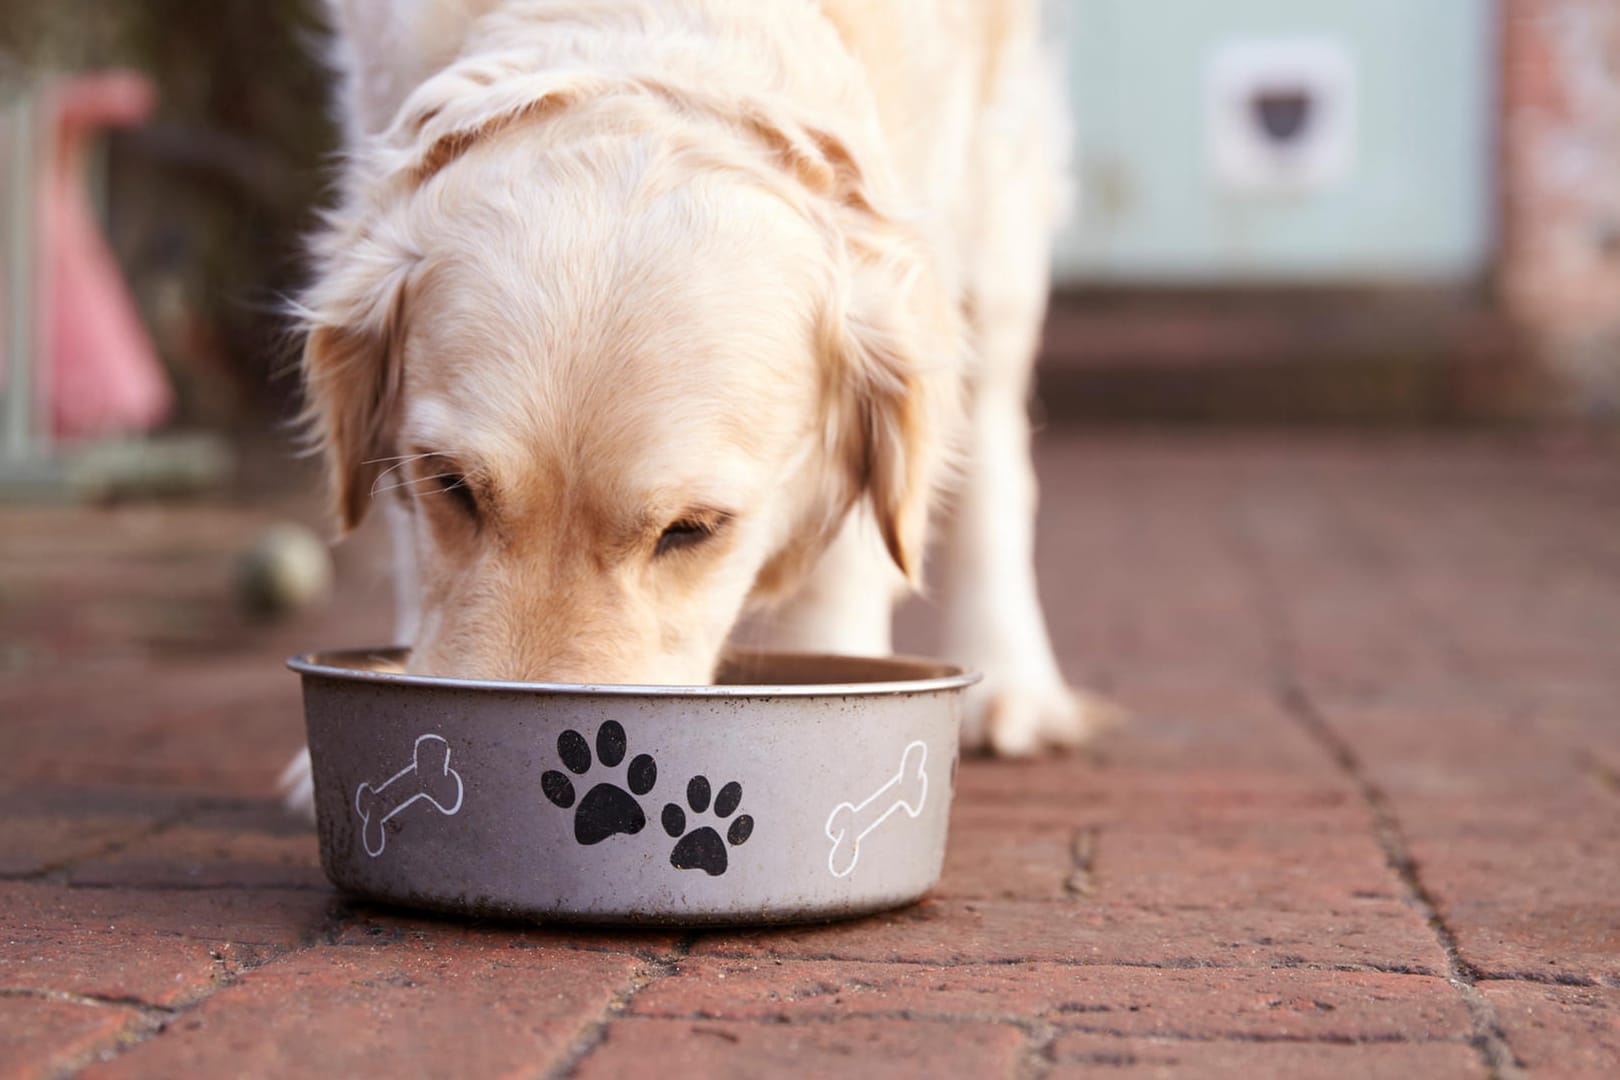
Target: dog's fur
642 315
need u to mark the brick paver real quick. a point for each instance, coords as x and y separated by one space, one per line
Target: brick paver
630 1049
409 1008
1566 1030
1084 1056
1365 821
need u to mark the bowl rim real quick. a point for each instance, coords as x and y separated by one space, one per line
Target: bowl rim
338 665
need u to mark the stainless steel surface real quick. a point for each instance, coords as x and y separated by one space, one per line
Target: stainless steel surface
800 788
741 674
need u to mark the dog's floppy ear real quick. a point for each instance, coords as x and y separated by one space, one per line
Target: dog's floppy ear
893 333
352 371
354 315
900 375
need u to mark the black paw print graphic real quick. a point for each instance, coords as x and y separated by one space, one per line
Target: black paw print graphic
607 809
702 848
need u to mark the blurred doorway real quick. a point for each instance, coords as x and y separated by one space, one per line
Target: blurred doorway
1281 141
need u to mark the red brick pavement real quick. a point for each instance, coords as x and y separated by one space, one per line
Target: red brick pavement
1366 820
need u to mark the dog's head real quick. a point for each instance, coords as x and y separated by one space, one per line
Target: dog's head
628 365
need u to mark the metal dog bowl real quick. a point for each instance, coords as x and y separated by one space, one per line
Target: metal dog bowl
800 788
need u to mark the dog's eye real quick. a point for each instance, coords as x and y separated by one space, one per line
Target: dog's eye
454 486
684 534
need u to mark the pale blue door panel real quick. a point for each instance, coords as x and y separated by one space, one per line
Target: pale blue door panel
1280 140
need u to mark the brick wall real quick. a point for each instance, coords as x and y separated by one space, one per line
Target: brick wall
1560 274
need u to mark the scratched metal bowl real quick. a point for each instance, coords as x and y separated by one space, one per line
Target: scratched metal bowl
800 788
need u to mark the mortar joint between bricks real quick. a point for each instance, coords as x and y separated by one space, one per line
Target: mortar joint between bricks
594 1033
141 1027
58 870
1489 1038
70 997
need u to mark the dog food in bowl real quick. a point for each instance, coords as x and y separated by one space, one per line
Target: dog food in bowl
800 788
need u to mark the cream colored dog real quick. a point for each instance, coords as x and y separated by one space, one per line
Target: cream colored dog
640 316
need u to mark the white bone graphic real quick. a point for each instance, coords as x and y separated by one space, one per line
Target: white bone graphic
434 781
848 824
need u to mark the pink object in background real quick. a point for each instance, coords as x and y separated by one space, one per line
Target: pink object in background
105 377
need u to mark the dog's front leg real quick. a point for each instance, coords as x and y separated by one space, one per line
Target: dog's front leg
993 618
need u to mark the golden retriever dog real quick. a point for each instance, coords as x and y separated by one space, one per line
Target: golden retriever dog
641 318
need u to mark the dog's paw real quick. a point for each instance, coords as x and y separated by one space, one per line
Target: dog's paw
297 787
1014 720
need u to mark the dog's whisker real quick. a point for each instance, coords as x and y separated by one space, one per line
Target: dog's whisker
418 480
460 481
400 462
410 457
392 469
397 457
